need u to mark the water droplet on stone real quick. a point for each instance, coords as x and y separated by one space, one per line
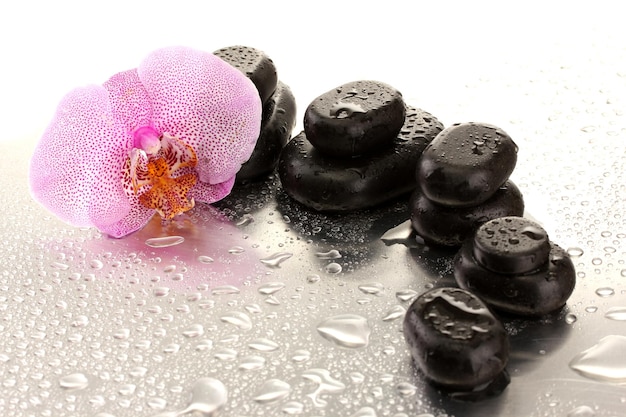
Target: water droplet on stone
345 330
271 391
331 254
75 381
604 361
276 259
164 242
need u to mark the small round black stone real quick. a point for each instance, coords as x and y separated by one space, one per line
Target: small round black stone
451 226
511 245
455 339
332 184
255 64
466 164
533 294
355 119
279 117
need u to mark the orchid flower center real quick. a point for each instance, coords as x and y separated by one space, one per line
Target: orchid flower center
160 172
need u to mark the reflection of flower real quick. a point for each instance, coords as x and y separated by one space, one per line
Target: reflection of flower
155 138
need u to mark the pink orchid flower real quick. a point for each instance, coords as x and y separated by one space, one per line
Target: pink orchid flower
156 138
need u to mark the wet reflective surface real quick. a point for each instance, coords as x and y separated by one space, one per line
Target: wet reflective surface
260 306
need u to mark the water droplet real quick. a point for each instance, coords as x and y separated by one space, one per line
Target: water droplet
301 355
271 391
263 345
238 319
331 254
406 389
127 389
406 294
605 292
293 407
245 220
251 363
570 318
325 385
375 288
225 354
591 309
313 278
604 361
276 259
365 412
194 330
342 110
156 403
208 397
122 334
203 259
345 330
96 264
271 288
402 233
161 291
357 377
582 411
333 268
394 313
574 252
236 250
75 381
616 313
225 290
164 242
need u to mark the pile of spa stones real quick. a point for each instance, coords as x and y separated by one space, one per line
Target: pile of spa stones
359 148
279 108
507 266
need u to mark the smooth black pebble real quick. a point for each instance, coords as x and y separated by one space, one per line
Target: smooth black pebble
511 245
355 119
279 119
451 226
455 339
534 293
466 164
331 184
255 64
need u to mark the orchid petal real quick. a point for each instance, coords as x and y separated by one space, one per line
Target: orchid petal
129 100
208 104
75 169
210 193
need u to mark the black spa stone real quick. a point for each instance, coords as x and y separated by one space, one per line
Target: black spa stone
255 64
511 245
451 226
455 340
466 164
355 119
331 184
533 294
279 117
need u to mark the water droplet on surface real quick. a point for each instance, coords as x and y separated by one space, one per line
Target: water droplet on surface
301 355
406 389
75 381
570 318
208 397
394 313
604 361
582 411
313 278
333 268
96 264
345 330
263 345
164 242
605 292
271 391
375 288
236 250
325 385
402 233
245 219
574 252
276 259
331 254
225 290
271 288
161 291
342 110
238 319
616 313
203 259
194 330
252 363
293 407
406 294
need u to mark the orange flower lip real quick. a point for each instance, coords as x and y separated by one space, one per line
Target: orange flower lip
163 180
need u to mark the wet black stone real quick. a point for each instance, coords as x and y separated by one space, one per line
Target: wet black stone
279 118
354 119
511 245
533 294
451 226
255 64
455 340
332 184
466 164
